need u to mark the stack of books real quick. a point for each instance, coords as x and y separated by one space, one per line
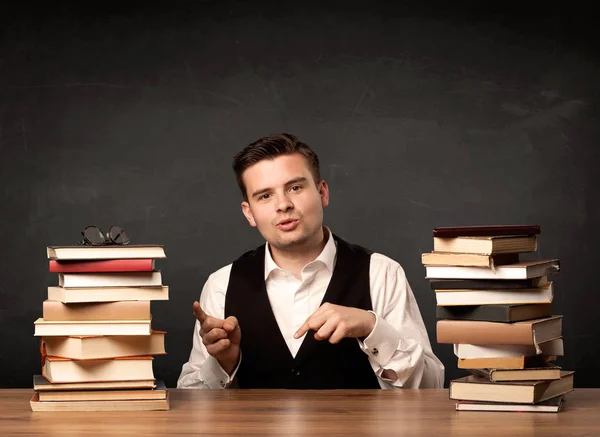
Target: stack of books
96 337
496 310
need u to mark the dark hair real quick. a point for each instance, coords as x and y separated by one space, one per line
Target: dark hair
268 148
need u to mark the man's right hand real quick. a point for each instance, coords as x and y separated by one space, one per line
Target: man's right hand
221 338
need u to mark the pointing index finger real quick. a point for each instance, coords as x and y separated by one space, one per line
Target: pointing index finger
199 313
302 330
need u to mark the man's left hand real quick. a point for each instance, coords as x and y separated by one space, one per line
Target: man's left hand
335 322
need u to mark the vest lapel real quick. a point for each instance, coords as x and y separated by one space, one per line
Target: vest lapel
254 272
337 286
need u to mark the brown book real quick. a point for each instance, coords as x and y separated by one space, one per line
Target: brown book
130 405
473 388
485 230
59 370
104 347
123 310
485 245
522 362
42 384
468 259
160 392
527 332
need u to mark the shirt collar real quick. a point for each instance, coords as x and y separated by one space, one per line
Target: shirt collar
326 257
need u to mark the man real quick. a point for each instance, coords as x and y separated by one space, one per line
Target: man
305 310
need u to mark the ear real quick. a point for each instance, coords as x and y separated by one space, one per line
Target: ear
324 193
248 214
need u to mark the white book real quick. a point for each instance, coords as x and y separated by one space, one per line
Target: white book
520 270
92 327
105 252
541 295
129 279
550 347
107 294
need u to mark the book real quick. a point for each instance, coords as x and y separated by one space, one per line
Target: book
82 252
42 384
527 332
547 372
129 405
494 313
107 266
159 392
521 270
518 362
483 246
487 284
485 230
84 311
91 327
552 405
468 259
61 370
553 347
542 295
90 280
107 294
473 388
104 347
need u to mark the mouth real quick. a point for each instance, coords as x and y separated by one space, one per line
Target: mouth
287 224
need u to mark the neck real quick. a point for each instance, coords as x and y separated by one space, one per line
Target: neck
294 259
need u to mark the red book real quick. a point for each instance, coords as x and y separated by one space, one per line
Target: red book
109 265
486 231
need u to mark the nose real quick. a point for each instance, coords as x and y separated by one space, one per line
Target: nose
284 203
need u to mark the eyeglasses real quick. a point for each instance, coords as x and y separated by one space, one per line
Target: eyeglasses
93 236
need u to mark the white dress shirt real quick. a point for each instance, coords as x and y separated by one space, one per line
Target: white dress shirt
398 348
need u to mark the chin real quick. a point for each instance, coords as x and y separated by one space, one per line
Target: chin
290 241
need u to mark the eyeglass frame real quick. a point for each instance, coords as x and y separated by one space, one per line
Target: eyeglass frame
107 239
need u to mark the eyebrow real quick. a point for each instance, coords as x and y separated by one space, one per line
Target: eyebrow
288 183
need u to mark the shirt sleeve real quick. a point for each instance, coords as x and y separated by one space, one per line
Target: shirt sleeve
203 370
398 347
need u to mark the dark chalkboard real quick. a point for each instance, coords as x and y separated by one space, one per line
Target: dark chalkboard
421 117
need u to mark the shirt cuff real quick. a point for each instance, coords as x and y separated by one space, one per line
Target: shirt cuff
382 342
216 376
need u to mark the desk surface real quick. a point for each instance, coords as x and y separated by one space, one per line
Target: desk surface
305 413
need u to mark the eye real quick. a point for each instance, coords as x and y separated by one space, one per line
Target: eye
295 188
263 196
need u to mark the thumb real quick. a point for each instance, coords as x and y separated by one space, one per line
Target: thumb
232 326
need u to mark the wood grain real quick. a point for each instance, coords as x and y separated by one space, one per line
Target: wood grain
305 413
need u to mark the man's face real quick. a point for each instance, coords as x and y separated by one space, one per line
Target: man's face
284 201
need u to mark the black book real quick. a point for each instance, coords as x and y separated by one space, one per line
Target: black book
486 284
494 313
485 231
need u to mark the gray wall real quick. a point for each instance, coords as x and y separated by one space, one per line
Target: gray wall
421 118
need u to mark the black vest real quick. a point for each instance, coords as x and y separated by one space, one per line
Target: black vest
266 359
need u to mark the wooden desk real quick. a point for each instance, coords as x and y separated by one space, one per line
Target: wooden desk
305 413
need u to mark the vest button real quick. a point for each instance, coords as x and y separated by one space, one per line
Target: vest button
295 372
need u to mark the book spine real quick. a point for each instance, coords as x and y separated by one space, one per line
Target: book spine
472 332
